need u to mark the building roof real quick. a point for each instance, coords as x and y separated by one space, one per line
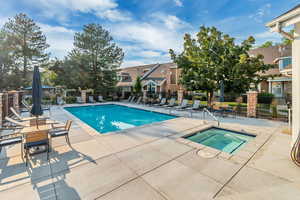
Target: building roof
155 72
271 54
286 19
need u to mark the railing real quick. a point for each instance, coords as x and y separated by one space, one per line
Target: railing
295 152
212 115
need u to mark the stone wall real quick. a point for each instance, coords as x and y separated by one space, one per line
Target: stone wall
252 103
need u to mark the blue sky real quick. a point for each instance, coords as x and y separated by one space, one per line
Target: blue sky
146 29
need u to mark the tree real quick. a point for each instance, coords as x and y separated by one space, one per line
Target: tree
212 58
137 88
286 41
266 44
96 58
27 46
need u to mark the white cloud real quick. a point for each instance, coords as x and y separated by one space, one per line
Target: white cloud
114 15
59 38
261 13
178 3
61 9
172 22
149 54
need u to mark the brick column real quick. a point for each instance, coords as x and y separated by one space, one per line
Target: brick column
1 109
16 105
251 103
83 96
180 95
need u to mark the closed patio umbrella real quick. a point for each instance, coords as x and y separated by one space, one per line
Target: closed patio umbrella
36 109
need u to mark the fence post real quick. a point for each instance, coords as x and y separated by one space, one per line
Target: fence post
1 109
16 96
251 103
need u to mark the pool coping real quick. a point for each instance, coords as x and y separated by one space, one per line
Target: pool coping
93 132
242 156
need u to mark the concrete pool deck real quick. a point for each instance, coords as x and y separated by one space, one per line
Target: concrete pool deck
150 162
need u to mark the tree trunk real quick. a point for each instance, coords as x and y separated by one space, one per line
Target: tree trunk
210 95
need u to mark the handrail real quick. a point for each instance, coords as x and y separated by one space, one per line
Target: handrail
212 115
295 152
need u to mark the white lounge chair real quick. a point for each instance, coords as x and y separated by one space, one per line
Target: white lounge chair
19 117
79 100
100 99
183 105
91 99
163 101
171 103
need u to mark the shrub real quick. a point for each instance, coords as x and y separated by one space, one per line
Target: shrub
274 111
70 99
265 98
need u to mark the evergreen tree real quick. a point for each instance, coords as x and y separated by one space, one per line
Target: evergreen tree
137 88
96 57
27 46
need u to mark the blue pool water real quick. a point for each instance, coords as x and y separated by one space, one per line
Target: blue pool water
221 139
107 118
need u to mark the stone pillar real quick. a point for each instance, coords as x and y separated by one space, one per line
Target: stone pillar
180 95
16 105
83 96
1 109
251 103
296 83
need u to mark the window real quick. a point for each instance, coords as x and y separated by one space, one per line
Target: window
284 62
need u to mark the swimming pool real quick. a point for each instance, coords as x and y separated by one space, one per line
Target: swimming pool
111 117
221 139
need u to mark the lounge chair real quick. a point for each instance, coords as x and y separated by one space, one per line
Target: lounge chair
183 105
61 131
129 99
19 117
79 100
100 99
26 105
60 101
139 100
163 101
171 103
91 99
16 123
132 99
195 106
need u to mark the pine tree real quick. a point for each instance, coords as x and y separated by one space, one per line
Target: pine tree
27 45
95 53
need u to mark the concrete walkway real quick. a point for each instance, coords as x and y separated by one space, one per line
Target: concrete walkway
148 163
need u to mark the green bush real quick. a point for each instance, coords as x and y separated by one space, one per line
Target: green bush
274 111
70 99
265 98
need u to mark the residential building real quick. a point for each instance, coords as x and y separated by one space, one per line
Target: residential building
158 78
280 84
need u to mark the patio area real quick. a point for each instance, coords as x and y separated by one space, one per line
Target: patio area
152 162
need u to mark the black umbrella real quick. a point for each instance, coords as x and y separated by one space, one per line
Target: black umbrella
36 109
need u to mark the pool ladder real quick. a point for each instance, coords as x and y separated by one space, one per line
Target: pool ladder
295 152
205 110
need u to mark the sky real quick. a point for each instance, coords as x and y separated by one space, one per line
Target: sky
147 29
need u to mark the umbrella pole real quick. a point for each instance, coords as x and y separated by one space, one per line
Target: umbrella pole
36 121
